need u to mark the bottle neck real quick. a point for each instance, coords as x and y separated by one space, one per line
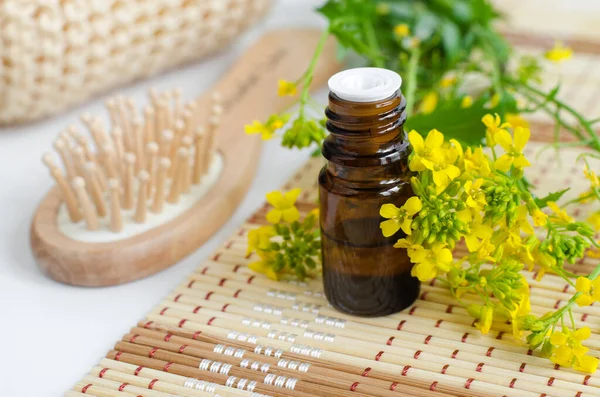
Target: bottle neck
365 135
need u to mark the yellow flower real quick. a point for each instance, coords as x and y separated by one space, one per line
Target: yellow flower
429 103
429 262
399 218
521 221
466 102
475 196
478 241
284 206
259 239
402 30
486 316
516 120
539 218
429 154
265 265
287 88
559 214
594 220
493 125
477 162
591 175
559 53
495 100
426 152
448 81
267 130
259 128
590 291
568 345
587 364
513 150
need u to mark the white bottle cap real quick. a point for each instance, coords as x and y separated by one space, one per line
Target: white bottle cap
365 84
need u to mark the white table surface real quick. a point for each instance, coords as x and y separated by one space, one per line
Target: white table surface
52 334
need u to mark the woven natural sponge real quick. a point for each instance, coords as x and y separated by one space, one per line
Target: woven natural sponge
57 53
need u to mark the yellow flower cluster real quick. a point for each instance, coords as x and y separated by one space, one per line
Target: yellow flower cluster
267 130
279 244
559 53
467 195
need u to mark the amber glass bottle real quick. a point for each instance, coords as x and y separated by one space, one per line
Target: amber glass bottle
367 152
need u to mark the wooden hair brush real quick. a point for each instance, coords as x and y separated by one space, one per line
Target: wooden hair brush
151 185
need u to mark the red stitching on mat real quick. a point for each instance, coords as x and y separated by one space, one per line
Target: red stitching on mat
464 337
224 308
118 355
393 386
235 295
151 384
584 317
167 366
444 369
191 283
586 379
147 325
423 295
454 353
236 268
123 386
400 324
366 371
168 337
196 334
468 383
250 279
152 352
433 386
216 257
479 367
500 335
449 308
137 370
210 320
203 272
353 386
412 310
529 352
489 352
162 312
417 354
180 325
512 383
389 341
196 309
177 298
101 374
550 381
378 356
84 388
522 367
182 348
222 281
208 294
405 370
427 339
438 323
133 338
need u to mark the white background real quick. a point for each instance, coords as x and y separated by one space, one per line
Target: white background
51 334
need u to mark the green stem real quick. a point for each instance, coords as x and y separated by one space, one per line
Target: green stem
372 42
580 119
308 75
411 84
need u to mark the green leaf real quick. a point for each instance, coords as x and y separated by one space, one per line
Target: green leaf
451 39
543 202
455 122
